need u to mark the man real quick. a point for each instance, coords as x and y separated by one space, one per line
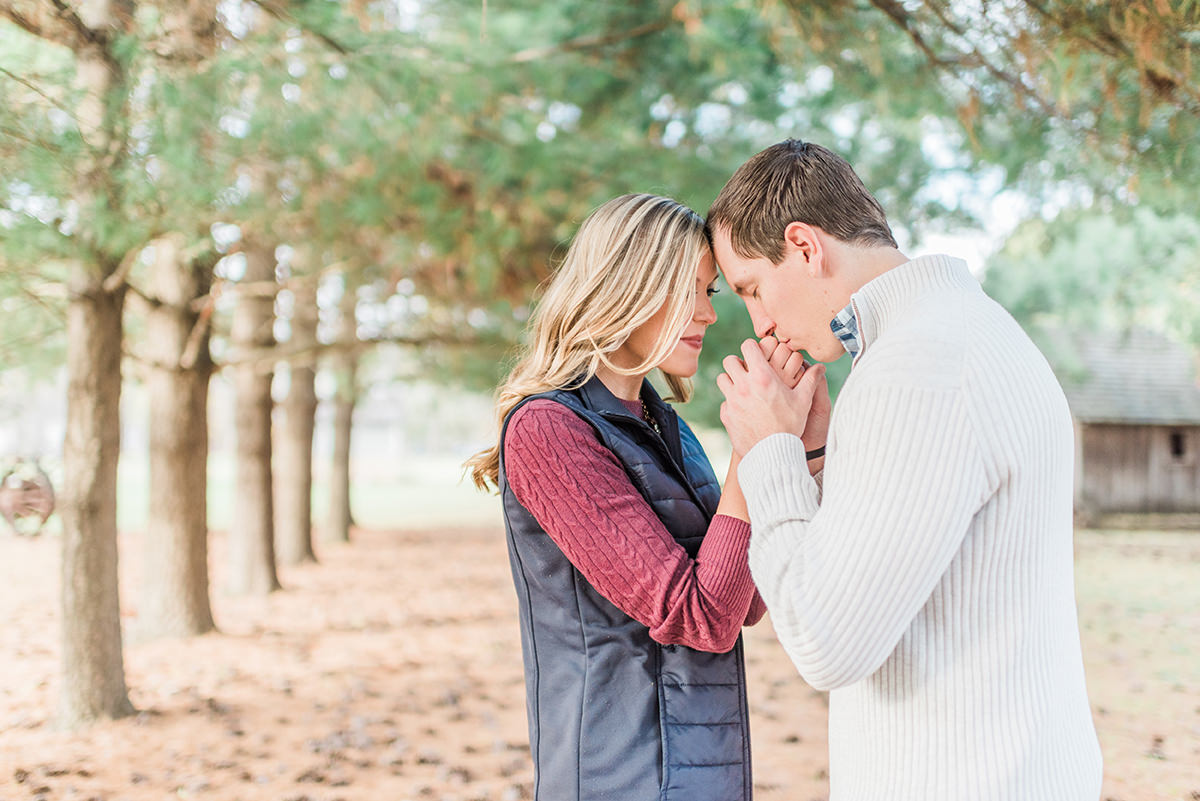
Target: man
925 575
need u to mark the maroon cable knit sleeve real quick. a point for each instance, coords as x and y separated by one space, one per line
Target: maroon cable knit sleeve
580 494
758 608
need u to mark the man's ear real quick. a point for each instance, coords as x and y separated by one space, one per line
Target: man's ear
803 242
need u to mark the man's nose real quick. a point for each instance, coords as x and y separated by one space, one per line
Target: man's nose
763 325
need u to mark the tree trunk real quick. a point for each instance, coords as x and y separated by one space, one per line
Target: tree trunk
344 364
175 600
251 533
293 533
340 516
93 669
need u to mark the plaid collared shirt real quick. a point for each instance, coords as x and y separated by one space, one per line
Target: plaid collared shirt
845 328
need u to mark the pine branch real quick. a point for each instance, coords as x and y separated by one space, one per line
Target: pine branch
265 359
117 278
57 23
38 91
195 339
1103 42
40 300
8 9
908 23
13 133
1171 84
943 14
83 33
590 42
14 349
283 15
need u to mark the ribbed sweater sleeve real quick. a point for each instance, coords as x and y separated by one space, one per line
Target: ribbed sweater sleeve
845 568
579 493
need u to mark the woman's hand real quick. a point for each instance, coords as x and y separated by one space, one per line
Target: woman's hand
790 366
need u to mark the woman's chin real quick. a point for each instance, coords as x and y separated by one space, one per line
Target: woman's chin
680 370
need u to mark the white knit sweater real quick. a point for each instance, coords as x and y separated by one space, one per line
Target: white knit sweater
926 578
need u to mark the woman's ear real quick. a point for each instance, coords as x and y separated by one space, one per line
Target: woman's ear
803 242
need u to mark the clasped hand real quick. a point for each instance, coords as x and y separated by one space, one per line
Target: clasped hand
771 391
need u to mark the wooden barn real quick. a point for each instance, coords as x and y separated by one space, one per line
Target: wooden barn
1136 403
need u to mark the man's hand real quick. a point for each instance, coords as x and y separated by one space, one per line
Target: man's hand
816 428
758 403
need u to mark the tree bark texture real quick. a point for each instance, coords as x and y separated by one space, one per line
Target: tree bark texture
175 589
251 532
93 669
344 365
293 531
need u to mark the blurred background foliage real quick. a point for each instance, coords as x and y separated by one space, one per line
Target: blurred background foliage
433 157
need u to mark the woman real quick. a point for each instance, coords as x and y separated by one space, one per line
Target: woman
630 564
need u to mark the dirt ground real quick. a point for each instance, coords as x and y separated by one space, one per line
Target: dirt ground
392 670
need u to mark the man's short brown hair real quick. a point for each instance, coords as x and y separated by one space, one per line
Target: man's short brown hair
796 181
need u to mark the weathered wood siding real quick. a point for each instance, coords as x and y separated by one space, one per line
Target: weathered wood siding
1132 468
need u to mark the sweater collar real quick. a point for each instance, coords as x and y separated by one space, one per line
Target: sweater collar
882 299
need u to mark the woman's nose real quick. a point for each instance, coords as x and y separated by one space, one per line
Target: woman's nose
705 313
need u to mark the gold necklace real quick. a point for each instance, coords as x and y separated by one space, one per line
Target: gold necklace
649 418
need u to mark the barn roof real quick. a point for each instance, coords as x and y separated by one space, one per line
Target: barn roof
1131 377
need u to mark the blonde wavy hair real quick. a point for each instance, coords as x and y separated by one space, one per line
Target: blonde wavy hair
631 257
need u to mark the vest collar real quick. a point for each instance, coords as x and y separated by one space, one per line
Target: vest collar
598 398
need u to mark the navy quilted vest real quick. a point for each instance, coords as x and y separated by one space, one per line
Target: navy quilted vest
613 714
